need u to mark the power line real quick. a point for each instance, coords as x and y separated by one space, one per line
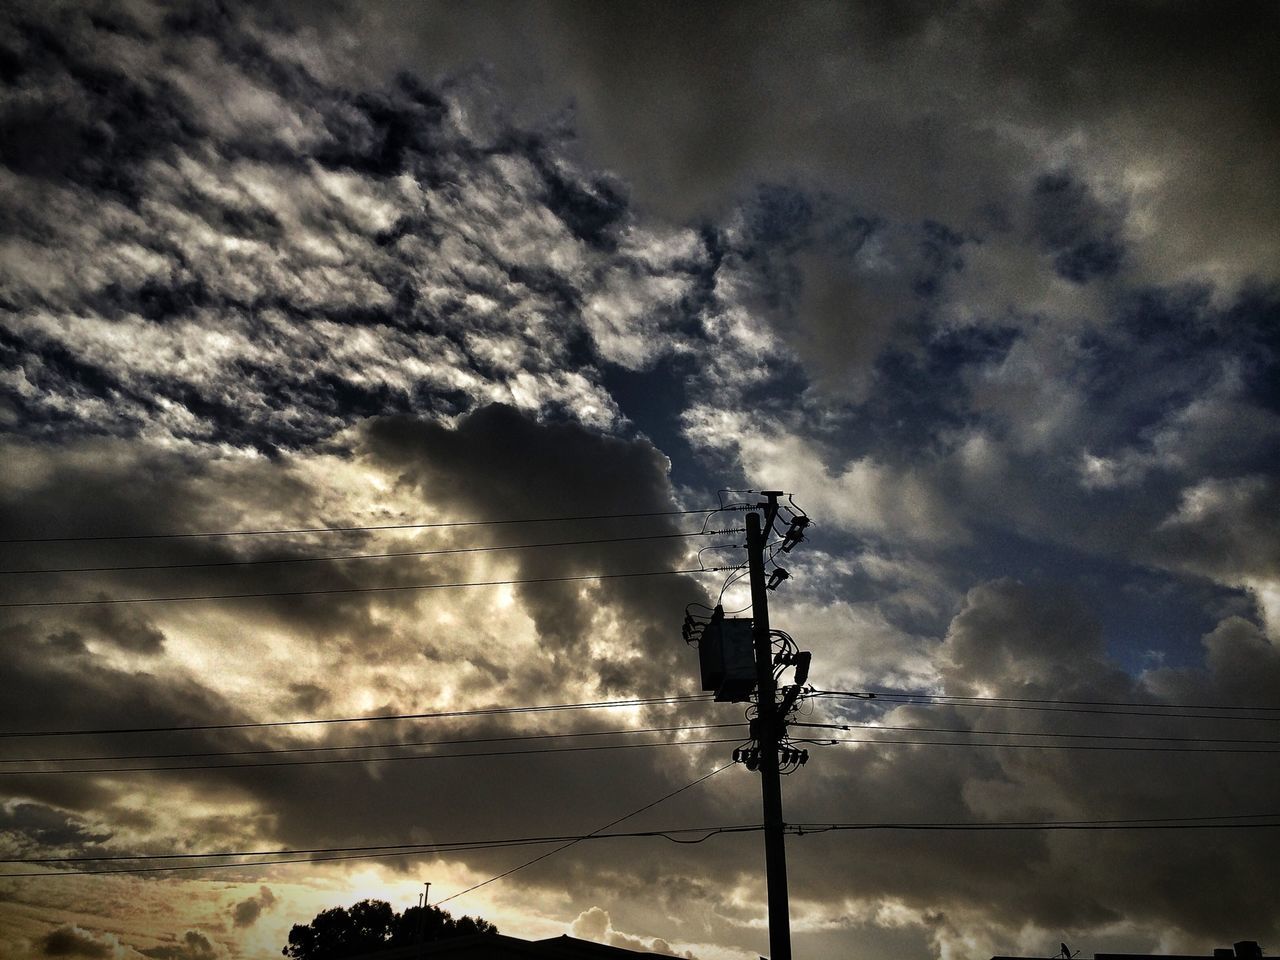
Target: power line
392 849
363 556
393 744
1044 746
898 695
501 711
921 700
387 852
329 761
360 529
1029 733
593 833
437 715
1226 823
99 601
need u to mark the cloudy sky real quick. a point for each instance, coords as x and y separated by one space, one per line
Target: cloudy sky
992 289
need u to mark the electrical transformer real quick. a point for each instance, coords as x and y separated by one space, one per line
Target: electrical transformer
726 653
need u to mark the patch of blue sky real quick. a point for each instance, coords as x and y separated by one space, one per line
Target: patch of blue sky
920 395
1148 617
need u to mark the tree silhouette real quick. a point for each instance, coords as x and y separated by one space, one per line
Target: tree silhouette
371 925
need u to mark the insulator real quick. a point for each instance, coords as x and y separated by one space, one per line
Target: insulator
802 661
794 534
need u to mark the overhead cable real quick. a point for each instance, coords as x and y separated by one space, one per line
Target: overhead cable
362 556
393 849
387 851
374 718
101 601
895 695
288 531
1031 733
1232 822
1041 746
386 745
593 834
329 761
1047 706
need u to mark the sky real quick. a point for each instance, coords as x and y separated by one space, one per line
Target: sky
991 290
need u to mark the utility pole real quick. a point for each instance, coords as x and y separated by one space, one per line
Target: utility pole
420 934
737 660
768 732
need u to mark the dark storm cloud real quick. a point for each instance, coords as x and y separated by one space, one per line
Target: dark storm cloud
129 631
1075 229
48 827
615 638
994 310
1019 130
278 254
1016 640
246 912
193 946
71 942
932 111
1000 635
47 685
839 286
1225 528
499 463
71 116
1008 639
292 806
1164 445
308 697
689 103
1243 662
1150 437
105 487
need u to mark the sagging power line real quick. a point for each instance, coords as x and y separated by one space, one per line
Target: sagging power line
294 531
1115 748
330 761
790 755
334 591
385 745
656 700
625 731
909 696
590 836
442 551
673 835
1034 733
1047 706
1259 821
371 718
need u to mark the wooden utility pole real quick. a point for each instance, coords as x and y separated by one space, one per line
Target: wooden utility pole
736 659
768 731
